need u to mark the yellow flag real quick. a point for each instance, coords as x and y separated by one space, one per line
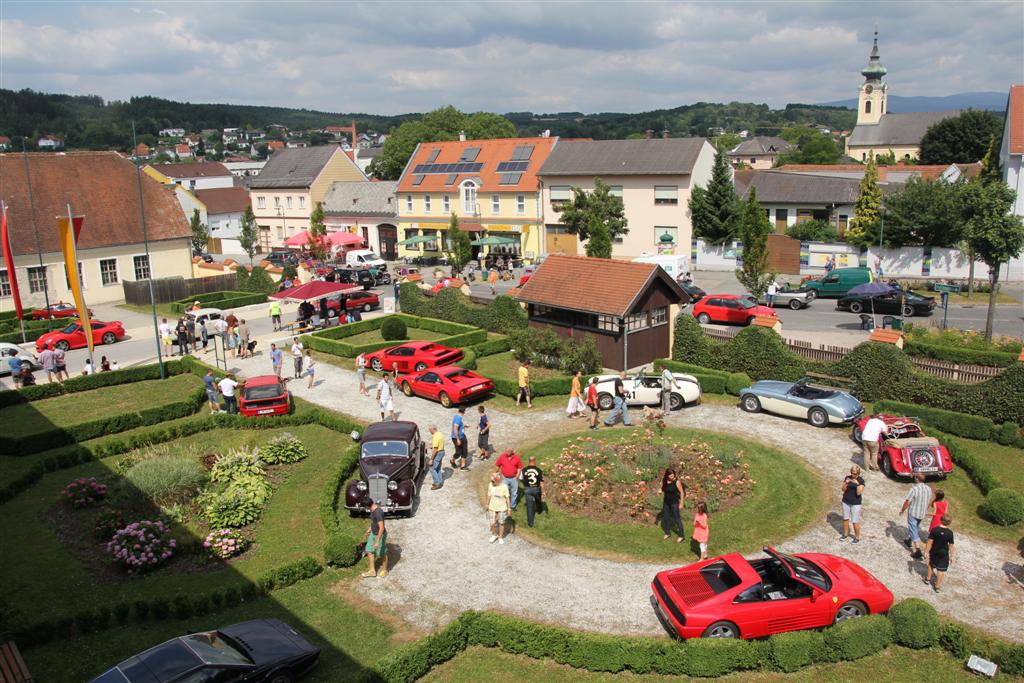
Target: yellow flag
69 229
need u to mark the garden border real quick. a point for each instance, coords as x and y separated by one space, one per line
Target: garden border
329 340
236 299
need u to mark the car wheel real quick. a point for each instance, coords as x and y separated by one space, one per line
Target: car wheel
367 307
750 321
605 401
857 436
406 388
851 610
908 311
376 365
421 366
856 307
675 402
446 400
796 304
811 295
63 345
108 338
703 318
281 677
817 417
751 404
886 465
722 629
331 313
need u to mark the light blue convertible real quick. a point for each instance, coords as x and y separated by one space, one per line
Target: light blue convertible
819 405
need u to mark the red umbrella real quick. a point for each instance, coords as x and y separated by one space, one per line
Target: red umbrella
299 239
316 289
342 238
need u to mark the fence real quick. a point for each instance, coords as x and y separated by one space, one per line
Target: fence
166 290
968 374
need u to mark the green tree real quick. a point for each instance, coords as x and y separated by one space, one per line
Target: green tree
991 169
715 209
200 235
588 209
317 232
754 229
868 209
927 213
599 245
813 231
727 142
961 139
993 234
813 147
248 236
461 251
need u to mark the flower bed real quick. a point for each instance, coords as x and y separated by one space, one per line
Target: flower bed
85 492
142 546
225 543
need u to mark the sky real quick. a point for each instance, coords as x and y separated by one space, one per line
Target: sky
396 57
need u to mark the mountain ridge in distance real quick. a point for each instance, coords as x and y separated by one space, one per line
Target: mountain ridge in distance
985 100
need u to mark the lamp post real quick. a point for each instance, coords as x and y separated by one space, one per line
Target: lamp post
149 261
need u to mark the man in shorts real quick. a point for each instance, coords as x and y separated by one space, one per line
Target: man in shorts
384 398
916 506
524 384
165 337
483 439
276 359
60 363
210 383
853 490
940 550
436 457
376 543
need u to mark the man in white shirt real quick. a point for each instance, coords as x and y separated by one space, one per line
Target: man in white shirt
227 390
668 382
869 435
297 356
165 337
384 399
773 289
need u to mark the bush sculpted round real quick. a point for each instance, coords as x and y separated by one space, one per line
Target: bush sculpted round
393 329
915 623
1004 506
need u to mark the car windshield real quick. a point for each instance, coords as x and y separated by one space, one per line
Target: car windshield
807 571
377 449
262 391
746 303
73 327
371 257
213 648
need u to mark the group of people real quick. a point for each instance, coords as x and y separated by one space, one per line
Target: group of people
302 362
54 361
227 388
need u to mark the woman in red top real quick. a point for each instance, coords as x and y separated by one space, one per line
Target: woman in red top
595 408
940 506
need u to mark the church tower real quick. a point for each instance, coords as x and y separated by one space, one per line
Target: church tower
871 102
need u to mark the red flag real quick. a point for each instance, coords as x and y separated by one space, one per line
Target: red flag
12 273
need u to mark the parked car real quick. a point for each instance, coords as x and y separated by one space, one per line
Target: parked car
695 292
73 336
819 405
449 385
57 310
25 356
391 461
645 390
364 300
361 258
412 356
205 314
836 284
203 255
251 651
729 308
907 304
793 298
281 258
353 276
264 395
905 450
733 597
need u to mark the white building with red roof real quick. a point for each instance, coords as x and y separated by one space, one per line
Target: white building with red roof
1011 154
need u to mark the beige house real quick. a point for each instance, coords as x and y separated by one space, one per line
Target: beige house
288 188
758 152
654 178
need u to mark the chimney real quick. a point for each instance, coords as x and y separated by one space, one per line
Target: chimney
462 136
664 135
648 134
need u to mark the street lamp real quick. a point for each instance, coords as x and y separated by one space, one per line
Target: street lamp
149 261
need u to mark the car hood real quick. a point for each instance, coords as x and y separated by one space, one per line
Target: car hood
845 402
385 464
269 640
846 573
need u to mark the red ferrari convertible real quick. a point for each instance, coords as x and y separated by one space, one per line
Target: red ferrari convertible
732 597
450 385
57 310
264 395
905 450
73 336
412 356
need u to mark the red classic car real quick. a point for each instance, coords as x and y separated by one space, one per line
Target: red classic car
729 308
449 385
412 356
364 300
264 395
732 597
73 336
905 450
57 310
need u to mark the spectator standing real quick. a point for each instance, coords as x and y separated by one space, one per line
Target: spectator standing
165 337
497 508
244 335
620 403
869 436
361 374
181 333
853 491
231 320
310 369
228 385
210 384
940 551
60 363
483 438
275 315
297 349
533 489
701 529
524 384
592 401
114 365
220 329
204 335
940 508
461 453
575 407
916 507
46 359
376 542
492 280
673 498
773 289
276 359
668 383
385 399
436 457
14 363
509 464
190 327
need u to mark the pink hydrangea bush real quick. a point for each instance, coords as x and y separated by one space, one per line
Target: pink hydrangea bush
225 543
142 546
85 492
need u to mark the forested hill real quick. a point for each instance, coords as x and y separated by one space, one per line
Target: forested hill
89 122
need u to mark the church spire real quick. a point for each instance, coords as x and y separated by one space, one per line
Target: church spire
874 70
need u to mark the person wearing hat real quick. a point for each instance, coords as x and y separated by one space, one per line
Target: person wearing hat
196 306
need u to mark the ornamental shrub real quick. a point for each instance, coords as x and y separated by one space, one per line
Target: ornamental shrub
953 638
915 623
107 522
289 574
719 656
691 345
225 543
1003 506
393 329
237 504
762 354
792 651
342 549
167 480
1010 658
879 371
1008 434
142 546
284 448
581 356
84 492
236 464
856 638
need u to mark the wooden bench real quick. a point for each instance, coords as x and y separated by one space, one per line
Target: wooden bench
12 666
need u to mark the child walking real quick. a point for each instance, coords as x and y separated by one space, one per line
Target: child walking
700 528
310 369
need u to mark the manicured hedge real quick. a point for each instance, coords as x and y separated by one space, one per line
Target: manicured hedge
915 623
856 638
96 381
503 314
1005 507
332 341
792 651
961 424
554 386
953 354
223 300
975 468
711 381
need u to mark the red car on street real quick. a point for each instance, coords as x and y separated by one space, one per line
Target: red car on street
449 385
264 395
905 450
412 357
73 336
733 597
729 308
57 310
364 300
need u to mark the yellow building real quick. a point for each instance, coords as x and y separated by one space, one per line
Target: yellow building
491 185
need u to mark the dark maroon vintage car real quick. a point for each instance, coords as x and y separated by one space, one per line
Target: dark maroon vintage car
391 460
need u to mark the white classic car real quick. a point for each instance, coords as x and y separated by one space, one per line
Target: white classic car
793 298
645 390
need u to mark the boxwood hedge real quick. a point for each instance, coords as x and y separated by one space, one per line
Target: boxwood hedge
915 623
954 354
223 300
332 340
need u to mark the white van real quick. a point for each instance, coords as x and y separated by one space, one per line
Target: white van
673 264
364 258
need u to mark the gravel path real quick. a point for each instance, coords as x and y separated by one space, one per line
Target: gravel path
445 563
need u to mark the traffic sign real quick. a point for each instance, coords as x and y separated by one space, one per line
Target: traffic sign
953 289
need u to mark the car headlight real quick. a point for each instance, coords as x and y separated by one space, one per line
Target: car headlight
392 485
360 486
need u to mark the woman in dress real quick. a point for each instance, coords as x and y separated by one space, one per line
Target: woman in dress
576 405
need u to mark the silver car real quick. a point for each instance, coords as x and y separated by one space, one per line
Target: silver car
793 298
819 405
26 357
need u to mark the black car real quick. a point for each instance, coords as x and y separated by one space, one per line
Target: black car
281 258
260 650
695 292
906 303
391 459
353 276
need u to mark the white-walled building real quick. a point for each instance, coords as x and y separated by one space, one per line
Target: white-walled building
224 208
205 175
1011 154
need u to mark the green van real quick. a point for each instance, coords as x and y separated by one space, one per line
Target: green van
836 284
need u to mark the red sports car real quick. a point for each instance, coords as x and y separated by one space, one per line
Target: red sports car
264 395
905 450
449 385
412 356
364 300
732 597
729 308
57 310
73 336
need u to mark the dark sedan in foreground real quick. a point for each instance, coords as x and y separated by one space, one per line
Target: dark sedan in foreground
893 303
262 650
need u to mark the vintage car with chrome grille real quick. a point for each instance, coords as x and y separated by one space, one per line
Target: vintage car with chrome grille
905 450
819 405
391 458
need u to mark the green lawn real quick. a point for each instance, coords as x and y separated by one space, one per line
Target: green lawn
770 515
505 365
71 409
373 337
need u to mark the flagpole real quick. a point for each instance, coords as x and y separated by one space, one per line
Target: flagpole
86 319
149 262
39 244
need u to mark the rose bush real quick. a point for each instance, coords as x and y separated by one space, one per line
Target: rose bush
225 543
84 492
142 546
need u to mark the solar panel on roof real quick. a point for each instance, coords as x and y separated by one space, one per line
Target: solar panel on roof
433 156
513 166
522 153
470 154
417 180
447 168
510 178
452 177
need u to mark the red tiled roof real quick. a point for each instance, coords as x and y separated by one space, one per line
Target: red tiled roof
102 186
205 169
492 153
224 199
1015 117
182 149
275 144
593 285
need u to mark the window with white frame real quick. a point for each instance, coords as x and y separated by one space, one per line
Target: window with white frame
560 194
81 276
666 194
408 203
636 321
608 323
302 202
277 202
615 191
496 204
446 203
280 232
469 198
141 266
5 283
37 279
108 271
659 316
261 202
288 200
660 230
426 203
520 204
